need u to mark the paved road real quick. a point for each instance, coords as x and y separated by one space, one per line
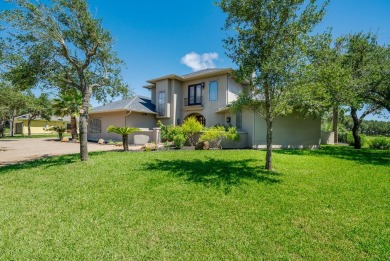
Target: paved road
19 150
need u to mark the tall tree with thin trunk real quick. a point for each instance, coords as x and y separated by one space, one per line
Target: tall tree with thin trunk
267 43
78 50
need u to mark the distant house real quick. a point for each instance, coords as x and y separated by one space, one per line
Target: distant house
39 125
206 95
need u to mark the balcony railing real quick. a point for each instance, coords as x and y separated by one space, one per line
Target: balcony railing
196 100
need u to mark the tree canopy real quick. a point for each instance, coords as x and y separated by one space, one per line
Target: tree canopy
267 42
75 49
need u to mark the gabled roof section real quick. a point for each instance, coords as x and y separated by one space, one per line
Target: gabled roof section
136 104
52 118
190 76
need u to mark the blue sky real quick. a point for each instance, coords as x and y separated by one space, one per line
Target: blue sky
152 37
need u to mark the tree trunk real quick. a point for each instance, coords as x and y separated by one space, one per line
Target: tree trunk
268 157
83 123
11 127
29 128
125 141
73 128
335 124
355 129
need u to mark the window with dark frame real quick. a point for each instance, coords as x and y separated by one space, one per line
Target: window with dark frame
95 126
195 94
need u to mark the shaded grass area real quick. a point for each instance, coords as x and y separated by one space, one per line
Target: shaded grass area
32 136
325 204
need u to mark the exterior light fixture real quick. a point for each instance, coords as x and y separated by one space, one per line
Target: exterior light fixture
228 120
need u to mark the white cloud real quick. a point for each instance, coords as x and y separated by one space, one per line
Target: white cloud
199 62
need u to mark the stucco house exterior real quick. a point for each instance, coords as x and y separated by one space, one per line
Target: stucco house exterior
39 125
137 112
206 94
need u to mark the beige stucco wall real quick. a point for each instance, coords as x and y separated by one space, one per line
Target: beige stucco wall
40 126
163 86
121 118
290 131
233 89
209 108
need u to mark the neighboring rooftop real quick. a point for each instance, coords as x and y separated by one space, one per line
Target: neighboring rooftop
136 104
52 118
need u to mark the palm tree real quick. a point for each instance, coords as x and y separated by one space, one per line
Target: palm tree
124 131
69 103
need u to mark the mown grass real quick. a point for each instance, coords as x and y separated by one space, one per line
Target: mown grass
32 136
329 204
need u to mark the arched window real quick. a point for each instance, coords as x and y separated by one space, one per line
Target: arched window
213 91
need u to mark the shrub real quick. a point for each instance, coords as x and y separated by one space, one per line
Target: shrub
190 127
351 141
60 130
178 140
380 143
214 136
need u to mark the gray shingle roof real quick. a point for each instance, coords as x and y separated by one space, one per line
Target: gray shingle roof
205 71
136 103
52 118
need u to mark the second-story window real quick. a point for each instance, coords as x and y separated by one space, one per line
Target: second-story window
161 103
213 91
195 94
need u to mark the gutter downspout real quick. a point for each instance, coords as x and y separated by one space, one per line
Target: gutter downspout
127 114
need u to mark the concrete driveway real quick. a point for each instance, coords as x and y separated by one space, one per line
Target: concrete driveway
18 150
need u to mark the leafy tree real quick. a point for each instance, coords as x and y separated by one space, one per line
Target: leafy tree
191 126
125 132
74 47
69 103
267 45
12 102
37 107
324 82
360 53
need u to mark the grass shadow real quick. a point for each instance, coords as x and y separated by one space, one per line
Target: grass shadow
362 156
223 174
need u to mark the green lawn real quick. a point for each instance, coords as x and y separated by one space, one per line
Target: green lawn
329 204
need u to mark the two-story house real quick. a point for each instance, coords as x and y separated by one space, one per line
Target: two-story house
205 94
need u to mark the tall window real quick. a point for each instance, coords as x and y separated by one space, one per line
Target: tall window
213 91
195 94
239 120
95 126
161 103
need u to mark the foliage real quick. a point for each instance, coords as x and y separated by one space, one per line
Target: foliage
380 143
178 140
124 132
361 56
60 130
127 205
268 45
37 107
232 134
71 48
69 102
216 134
190 127
351 141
